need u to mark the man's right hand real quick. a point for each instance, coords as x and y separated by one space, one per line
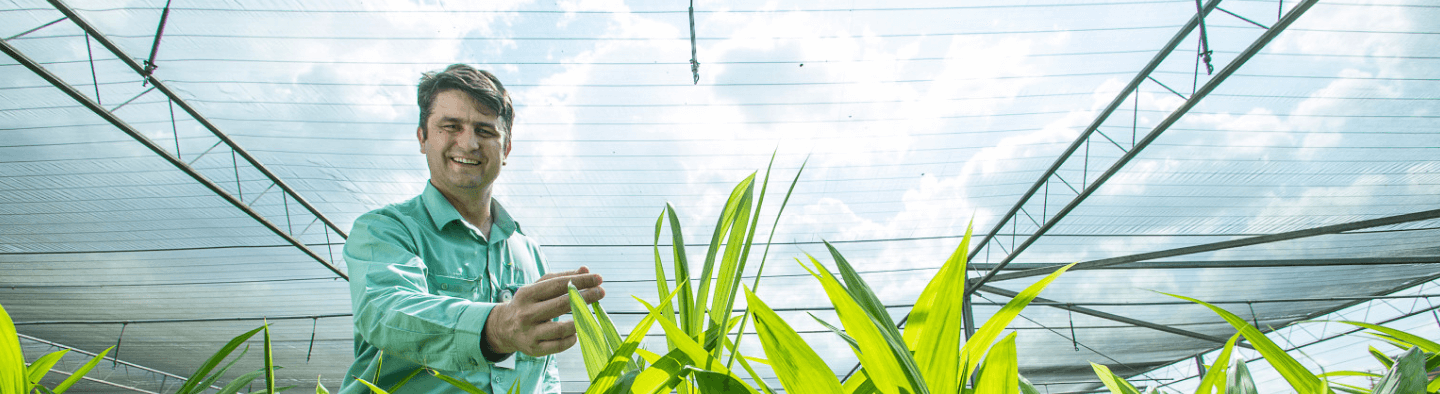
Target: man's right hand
524 324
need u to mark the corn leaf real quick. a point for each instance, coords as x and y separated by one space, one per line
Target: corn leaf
759 272
620 362
1351 373
269 362
800 370
80 373
870 345
1025 386
1239 380
685 343
607 327
1002 370
1406 377
717 383
372 387
682 275
407 378
732 264
935 326
664 373
459 384
1116 384
38 369
1299 378
649 356
1349 389
740 196
12 361
210 380
1412 339
985 335
1216 375
241 381
859 383
734 351
661 286
862 295
319 387
593 346
840 333
1381 357
210 364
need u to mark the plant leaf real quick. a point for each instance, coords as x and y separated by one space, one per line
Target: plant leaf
593 346
688 316
1382 358
1215 377
1406 377
204 370
800 370
1412 339
38 369
1299 378
871 346
1025 386
865 298
12 361
719 383
1349 388
1116 384
320 387
985 335
372 387
81 372
241 381
210 380
620 362
1239 380
735 214
269 362
460 384
1002 370
664 373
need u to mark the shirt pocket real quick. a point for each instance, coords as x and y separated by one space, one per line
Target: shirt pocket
453 286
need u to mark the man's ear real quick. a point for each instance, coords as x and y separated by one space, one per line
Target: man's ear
507 145
420 135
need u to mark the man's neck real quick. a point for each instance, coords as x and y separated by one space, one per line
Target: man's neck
473 207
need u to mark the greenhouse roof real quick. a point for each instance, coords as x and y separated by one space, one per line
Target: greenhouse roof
1288 175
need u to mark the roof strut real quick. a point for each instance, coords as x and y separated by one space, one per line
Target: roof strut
138 136
1174 117
160 31
99 37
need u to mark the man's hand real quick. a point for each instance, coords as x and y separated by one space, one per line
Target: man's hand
523 324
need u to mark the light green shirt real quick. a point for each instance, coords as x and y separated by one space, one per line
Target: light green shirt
422 283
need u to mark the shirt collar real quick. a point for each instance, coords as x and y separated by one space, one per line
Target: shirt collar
443 214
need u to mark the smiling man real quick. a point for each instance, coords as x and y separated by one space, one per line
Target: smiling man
447 280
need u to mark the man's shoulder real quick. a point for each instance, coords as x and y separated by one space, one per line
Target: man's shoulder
405 214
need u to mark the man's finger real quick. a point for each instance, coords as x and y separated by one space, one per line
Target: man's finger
545 310
552 330
545 348
578 271
553 287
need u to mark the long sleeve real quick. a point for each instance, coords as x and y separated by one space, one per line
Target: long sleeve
394 308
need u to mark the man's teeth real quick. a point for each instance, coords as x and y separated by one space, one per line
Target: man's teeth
464 161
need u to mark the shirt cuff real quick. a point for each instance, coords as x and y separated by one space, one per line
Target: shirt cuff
468 333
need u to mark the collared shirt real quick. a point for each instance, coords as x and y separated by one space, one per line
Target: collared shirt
422 284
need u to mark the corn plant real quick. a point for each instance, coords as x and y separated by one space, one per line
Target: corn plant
1406 374
929 356
18 377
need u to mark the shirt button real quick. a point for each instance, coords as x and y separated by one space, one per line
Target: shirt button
444 286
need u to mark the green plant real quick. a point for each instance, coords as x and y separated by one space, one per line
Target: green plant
920 360
18 377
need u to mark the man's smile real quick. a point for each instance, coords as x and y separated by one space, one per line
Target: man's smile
465 161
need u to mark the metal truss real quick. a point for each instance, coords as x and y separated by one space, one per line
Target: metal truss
237 197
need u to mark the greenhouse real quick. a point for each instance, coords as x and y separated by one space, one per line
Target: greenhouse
174 174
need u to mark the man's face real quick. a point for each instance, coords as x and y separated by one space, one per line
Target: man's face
465 145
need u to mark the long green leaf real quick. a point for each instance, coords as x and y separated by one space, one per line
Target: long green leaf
871 347
1240 381
607 327
269 362
732 264
1025 386
936 325
243 380
688 317
38 369
1406 377
1299 378
1349 389
764 255
460 384
204 370
737 210
685 343
865 298
661 286
1351 373
372 387
800 370
1002 369
986 334
81 372
719 383
620 362
1382 358
1215 377
1116 384
593 346
210 380
12 360
1416 340
663 374
319 386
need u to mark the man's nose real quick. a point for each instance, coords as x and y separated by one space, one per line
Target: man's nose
469 140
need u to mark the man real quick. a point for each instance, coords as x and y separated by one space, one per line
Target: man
447 280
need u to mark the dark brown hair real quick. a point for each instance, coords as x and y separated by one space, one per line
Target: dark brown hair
480 85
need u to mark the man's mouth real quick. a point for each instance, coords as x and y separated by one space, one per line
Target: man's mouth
465 161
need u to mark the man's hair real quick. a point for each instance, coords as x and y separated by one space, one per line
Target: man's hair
480 85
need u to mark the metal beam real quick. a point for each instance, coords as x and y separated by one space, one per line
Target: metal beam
1174 116
138 136
1210 247
141 70
1095 124
112 359
1111 316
